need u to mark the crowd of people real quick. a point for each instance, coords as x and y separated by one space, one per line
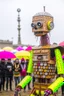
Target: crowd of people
12 71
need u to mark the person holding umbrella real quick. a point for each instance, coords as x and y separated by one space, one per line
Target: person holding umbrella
9 74
0 77
23 70
17 69
2 64
8 67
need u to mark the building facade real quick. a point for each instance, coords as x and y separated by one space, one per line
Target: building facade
7 43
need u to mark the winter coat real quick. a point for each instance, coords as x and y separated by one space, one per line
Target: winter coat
17 69
0 71
3 66
23 70
10 68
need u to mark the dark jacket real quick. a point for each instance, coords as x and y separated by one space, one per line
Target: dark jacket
3 67
0 71
9 71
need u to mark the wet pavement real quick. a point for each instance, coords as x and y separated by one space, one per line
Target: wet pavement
11 93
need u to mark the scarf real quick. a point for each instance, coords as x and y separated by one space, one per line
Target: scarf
23 71
23 66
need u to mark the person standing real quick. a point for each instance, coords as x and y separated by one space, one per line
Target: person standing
17 70
9 74
23 69
2 63
0 77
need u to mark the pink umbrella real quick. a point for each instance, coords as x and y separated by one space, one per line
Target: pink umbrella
19 48
6 55
61 44
29 48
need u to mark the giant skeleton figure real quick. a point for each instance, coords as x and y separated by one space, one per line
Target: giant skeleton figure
44 57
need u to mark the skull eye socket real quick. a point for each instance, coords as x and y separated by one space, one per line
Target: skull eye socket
39 24
50 25
33 25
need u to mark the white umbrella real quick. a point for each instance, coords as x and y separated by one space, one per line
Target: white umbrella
24 47
14 51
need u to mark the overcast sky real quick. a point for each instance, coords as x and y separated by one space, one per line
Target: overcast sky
8 19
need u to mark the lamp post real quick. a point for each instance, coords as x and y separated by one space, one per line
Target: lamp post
18 19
